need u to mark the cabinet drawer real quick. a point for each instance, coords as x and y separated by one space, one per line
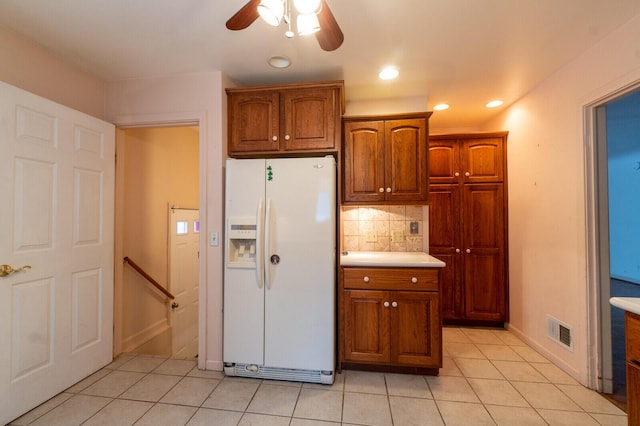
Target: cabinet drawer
421 279
632 330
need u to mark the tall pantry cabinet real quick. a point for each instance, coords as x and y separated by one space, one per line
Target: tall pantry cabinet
468 225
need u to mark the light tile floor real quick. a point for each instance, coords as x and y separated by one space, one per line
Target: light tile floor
489 377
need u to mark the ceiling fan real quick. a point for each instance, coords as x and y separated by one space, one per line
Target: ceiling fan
314 17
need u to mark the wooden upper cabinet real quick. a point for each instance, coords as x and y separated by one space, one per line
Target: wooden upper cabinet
385 159
444 160
254 122
477 158
310 119
277 120
483 160
406 177
364 165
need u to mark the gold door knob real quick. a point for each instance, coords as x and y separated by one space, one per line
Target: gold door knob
6 270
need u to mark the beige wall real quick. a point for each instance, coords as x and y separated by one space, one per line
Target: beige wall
160 168
197 97
29 66
547 203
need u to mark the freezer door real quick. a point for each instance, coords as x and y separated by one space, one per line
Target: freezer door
300 263
243 338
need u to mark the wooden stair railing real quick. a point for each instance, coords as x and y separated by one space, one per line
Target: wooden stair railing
148 277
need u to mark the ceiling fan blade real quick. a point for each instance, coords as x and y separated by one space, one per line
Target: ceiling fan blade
245 16
330 36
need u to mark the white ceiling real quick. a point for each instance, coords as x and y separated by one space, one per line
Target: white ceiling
463 52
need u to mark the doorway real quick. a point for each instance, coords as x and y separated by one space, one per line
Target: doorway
157 169
616 271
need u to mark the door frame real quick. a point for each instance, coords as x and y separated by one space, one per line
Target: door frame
600 368
196 118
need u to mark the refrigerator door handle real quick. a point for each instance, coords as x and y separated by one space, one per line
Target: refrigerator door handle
266 261
260 245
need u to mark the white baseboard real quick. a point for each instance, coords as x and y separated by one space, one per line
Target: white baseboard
132 342
544 352
214 365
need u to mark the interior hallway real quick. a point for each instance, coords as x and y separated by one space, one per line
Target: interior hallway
490 377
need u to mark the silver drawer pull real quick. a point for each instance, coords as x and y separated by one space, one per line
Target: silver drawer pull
366 279
414 280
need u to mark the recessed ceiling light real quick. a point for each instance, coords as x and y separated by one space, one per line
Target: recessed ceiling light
389 73
494 103
279 61
441 107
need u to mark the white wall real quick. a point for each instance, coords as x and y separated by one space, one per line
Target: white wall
189 97
546 168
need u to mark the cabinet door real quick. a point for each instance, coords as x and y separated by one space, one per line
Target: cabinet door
253 122
366 326
445 243
416 329
444 161
310 119
483 160
364 161
484 252
406 165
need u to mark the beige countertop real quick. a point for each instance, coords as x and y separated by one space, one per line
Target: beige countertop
390 259
631 304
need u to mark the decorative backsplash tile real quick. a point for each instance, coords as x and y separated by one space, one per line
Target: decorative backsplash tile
384 228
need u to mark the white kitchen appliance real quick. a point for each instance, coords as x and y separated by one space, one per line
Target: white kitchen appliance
279 284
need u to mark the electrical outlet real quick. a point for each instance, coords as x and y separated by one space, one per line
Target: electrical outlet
397 236
372 237
413 228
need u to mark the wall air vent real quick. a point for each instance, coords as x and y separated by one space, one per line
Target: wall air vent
560 333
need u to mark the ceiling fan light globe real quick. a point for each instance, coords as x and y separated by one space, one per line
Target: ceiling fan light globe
271 11
307 6
308 24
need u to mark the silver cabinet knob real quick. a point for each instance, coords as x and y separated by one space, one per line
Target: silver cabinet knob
381 190
467 174
457 250
468 250
386 304
414 280
388 189
287 137
394 304
366 279
274 138
456 174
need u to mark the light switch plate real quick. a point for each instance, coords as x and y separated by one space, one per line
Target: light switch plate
372 237
213 239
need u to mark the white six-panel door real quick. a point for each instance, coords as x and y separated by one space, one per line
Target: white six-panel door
56 215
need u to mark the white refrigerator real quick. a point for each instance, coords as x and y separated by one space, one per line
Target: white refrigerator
280 263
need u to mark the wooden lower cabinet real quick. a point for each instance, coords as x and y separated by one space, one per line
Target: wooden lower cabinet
400 327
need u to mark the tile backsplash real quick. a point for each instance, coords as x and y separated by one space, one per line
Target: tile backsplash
385 228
